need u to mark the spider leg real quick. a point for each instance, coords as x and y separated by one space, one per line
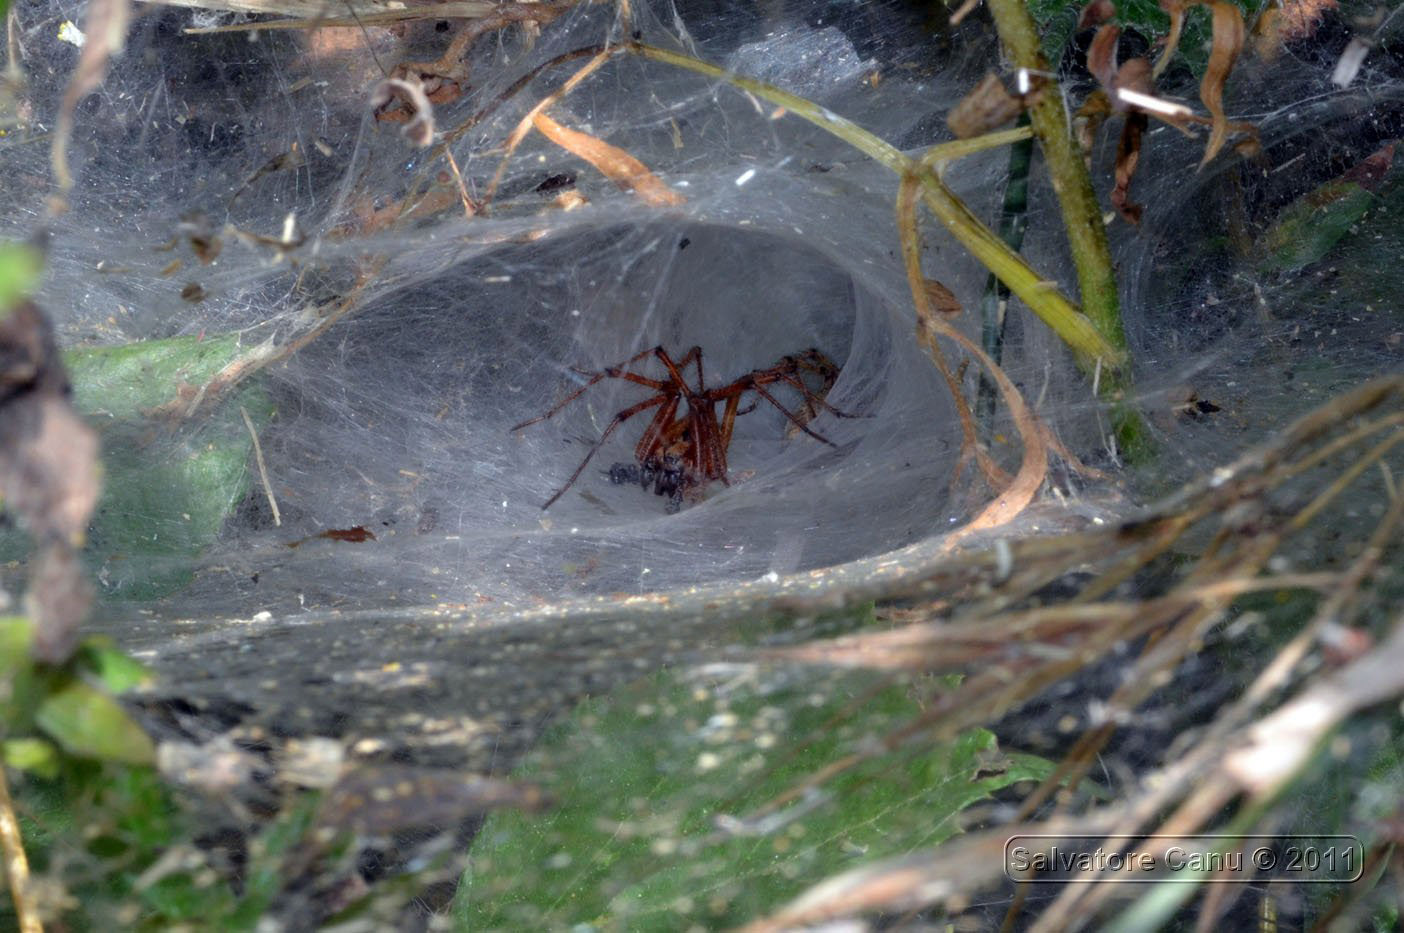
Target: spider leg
609 372
813 399
707 438
656 434
728 422
760 390
619 419
786 372
675 368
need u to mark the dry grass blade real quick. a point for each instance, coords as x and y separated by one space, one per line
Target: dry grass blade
929 325
1017 493
907 883
915 881
106 28
1228 42
309 13
524 126
614 163
1011 654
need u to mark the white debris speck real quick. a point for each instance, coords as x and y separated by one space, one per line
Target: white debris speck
71 34
745 177
771 577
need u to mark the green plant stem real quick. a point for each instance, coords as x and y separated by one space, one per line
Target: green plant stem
1071 325
1087 237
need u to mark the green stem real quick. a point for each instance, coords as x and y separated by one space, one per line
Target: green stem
1087 237
1042 297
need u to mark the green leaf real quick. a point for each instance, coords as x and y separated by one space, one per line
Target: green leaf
1307 229
90 724
168 486
665 791
36 756
17 681
117 672
16 637
20 265
127 381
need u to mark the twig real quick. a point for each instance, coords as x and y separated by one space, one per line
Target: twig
16 863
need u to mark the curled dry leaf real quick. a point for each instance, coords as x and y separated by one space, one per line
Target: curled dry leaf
941 299
1176 11
988 107
614 163
1101 57
1096 13
1128 156
419 128
1228 42
1267 34
1089 119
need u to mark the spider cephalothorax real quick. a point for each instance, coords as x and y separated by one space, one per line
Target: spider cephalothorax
685 444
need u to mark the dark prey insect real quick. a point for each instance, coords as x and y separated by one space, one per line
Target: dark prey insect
685 444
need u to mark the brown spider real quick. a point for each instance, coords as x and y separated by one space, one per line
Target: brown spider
684 446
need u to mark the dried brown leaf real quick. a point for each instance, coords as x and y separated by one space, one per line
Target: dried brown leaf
1176 10
1228 42
1128 156
1371 171
988 107
1267 35
942 300
1135 75
614 163
48 474
419 126
1096 13
1089 119
1101 57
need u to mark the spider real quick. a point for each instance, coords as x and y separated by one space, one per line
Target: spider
684 446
